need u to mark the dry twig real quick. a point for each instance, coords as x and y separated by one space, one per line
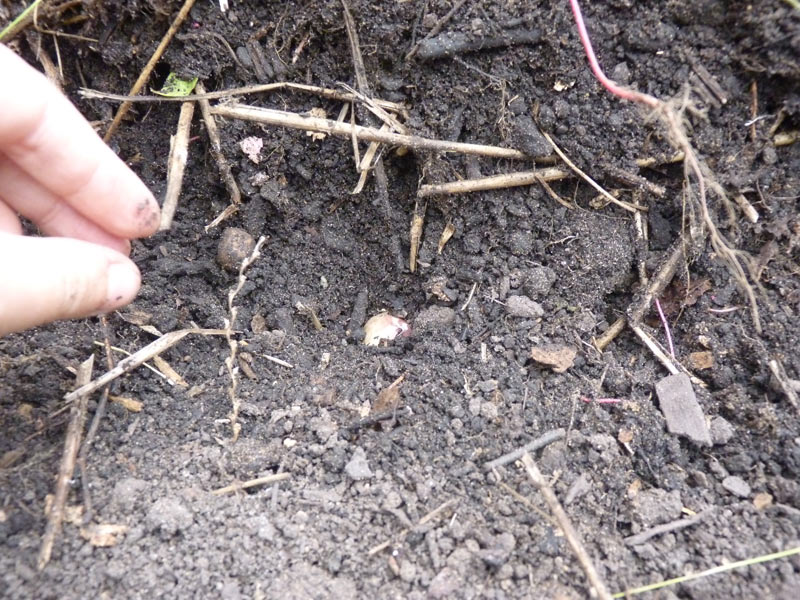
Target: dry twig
492 182
148 68
403 532
626 205
309 123
236 487
222 163
597 586
137 358
72 443
329 93
641 538
176 164
540 442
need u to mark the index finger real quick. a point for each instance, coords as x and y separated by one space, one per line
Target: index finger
44 134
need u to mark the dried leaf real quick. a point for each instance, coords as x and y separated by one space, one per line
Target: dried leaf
168 372
103 535
701 360
625 436
634 487
447 233
558 358
128 404
388 398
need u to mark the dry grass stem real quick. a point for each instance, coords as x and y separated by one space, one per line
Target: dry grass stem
315 90
492 182
404 532
309 123
176 164
776 367
626 205
597 586
671 364
137 358
72 442
236 487
551 192
222 163
415 236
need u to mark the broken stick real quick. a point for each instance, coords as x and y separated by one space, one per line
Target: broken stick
308 123
178 156
597 586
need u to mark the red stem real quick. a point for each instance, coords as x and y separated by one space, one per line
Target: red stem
617 90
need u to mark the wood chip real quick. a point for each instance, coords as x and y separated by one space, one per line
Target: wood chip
558 358
701 360
103 535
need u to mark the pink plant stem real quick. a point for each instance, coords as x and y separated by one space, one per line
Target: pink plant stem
666 328
612 87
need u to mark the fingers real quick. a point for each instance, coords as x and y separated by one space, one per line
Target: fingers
54 217
46 136
44 279
9 223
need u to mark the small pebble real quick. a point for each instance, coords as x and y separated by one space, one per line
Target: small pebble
358 468
721 431
522 306
736 486
234 246
169 515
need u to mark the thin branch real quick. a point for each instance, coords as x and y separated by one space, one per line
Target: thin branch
598 587
137 358
492 182
540 442
309 123
222 163
176 164
329 93
251 483
666 328
72 442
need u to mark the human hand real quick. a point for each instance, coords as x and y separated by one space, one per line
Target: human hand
58 173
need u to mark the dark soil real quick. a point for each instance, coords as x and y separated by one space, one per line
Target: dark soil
470 392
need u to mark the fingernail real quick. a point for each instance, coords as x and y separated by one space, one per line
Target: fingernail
123 284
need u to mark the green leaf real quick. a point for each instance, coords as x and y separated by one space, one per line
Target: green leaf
176 87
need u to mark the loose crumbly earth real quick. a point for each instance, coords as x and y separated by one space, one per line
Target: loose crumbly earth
470 392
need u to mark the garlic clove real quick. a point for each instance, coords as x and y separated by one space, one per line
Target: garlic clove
384 327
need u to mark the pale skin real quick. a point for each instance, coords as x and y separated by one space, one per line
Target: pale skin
57 172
